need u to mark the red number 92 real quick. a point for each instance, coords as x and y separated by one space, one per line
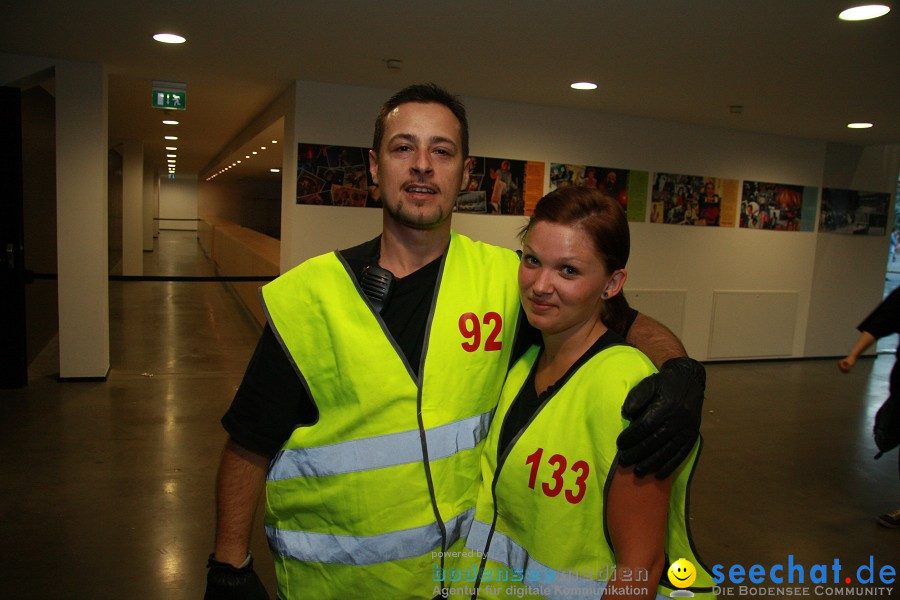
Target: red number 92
470 328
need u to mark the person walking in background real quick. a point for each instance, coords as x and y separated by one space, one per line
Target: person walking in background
883 321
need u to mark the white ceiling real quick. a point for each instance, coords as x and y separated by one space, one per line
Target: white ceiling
795 68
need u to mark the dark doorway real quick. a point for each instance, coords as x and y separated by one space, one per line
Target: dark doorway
13 357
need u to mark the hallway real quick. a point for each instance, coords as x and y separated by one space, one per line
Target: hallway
107 488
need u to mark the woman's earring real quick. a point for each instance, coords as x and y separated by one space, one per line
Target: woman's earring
605 295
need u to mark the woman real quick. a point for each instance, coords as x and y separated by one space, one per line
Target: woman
555 515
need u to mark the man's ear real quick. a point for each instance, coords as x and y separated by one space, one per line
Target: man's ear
468 165
373 166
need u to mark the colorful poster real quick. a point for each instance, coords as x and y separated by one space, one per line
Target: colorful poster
334 176
693 200
339 176
858 213
628 187
775 206
502 186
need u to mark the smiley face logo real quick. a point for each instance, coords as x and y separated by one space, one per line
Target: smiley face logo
682 573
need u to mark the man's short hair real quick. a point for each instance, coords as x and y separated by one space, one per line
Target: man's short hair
424 93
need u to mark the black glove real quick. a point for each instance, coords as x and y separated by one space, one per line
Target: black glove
665 411
224 582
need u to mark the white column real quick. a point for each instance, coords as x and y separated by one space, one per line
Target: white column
149 209
289 175
82 224
132 207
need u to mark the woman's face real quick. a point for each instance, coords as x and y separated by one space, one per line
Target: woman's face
562 279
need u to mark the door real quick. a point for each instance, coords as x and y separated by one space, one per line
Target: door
13 361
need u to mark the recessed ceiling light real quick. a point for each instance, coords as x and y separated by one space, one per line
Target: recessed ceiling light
239 161
275 170
583 85
171 137
247 156
171 148
859 125
254 152
170 155
169 38
170 122
274 141
863 13
262 147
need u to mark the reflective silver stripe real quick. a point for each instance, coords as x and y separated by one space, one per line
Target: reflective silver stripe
381 451
553 584
366 550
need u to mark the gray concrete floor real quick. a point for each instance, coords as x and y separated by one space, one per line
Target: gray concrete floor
107 488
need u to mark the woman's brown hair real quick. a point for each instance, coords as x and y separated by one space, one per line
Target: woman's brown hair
601 217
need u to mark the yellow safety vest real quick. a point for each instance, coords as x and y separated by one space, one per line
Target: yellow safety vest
362 503
547 537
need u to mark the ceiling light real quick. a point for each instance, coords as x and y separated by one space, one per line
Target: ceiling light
863 13
171 155
275 170
583 85
171 137
859 125
169 38
169 122
171 148
274 141
239 161
247 156
262 147
254 152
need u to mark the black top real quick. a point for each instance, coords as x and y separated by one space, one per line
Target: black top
885 319
272 401
528 401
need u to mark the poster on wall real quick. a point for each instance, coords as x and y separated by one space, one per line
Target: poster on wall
502 186
628 187
777 206
339 176
693 200
852 212
334 176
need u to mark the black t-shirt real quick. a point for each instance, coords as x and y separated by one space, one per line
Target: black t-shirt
272 401
528 401
885 319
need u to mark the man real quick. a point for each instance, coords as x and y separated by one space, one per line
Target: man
375 380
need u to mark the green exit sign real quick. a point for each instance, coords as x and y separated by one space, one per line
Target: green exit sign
169 99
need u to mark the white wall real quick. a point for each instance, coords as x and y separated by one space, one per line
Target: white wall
178 200
696 263
132 207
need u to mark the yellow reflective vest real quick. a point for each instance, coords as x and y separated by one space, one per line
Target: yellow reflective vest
539 529
364 502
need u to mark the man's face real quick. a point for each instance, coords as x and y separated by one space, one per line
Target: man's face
419 167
